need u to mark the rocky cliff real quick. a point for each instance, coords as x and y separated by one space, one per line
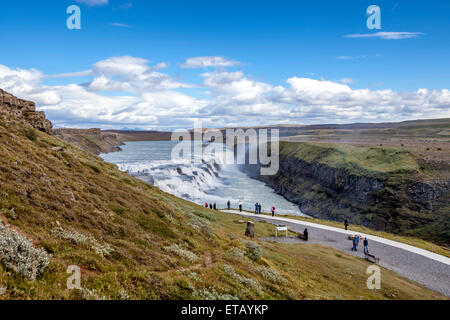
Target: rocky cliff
403 201
13 108
92 140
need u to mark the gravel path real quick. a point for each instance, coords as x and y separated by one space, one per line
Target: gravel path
432 271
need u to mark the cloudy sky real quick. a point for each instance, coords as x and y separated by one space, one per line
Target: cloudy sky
163 64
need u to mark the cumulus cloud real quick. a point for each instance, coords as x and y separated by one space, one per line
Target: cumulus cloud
130 92
130 74
386 35
142 97
27 83
203 62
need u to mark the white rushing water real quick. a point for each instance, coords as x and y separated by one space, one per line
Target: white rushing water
207 180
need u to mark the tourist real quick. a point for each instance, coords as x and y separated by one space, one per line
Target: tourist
240 205
355 243
259 208
273 210
346 224
215 206
305 235
206 204
210 206
256 208
229 205
366 246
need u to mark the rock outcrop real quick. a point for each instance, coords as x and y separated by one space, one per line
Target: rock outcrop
23 111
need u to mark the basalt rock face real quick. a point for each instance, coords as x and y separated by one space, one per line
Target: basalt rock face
24 111
408 207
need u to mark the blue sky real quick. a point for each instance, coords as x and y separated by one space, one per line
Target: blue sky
261 62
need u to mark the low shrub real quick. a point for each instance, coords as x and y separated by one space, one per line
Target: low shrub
101 249
181 252
254 251
271 275
236 253
18 254
212 294
247 282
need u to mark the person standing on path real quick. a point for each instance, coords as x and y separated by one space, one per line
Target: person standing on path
210 206
305 235
256 208
229 205
273 210
215 206
259 208
240 205
346 224
206 204
366 246
355 243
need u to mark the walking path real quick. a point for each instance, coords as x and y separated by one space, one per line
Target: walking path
427 268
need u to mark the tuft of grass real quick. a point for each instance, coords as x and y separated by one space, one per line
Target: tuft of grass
30 133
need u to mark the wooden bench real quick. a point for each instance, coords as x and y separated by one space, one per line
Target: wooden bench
281 228
369 256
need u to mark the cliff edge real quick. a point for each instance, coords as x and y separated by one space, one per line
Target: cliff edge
15 109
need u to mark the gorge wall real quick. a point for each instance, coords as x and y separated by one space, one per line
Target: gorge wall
397 203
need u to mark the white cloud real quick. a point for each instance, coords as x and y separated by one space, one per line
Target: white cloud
161 65
139 96
131 74
203 62
70 74
386 35
121 25
121 66
93 3
306 85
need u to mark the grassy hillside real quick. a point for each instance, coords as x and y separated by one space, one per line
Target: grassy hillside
371 161
133 241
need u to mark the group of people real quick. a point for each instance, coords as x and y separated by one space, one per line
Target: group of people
356 240
258 207
356 244
211 206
